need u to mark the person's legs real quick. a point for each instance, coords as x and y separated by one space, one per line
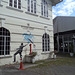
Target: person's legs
20 55
15 56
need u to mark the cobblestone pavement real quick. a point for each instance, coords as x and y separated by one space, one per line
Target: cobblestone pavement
46 70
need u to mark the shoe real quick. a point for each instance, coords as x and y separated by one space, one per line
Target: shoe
13 61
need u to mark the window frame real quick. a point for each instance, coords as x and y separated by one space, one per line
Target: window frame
17 5
44 8
4 42
31 6
45 43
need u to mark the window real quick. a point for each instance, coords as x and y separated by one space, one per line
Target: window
44 8
15 3
45 42
31 6
4 41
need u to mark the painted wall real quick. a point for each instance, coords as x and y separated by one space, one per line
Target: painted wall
16 21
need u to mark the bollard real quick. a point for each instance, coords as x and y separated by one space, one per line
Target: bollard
21 65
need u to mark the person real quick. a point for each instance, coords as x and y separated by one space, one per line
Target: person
20 49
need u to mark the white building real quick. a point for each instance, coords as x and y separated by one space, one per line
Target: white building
18 17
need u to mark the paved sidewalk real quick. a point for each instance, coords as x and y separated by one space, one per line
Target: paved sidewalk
46 70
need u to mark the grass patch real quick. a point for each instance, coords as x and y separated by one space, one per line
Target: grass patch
57 61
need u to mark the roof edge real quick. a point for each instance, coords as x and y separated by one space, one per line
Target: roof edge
54 2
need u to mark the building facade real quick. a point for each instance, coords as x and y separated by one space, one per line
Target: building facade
64 34
21 20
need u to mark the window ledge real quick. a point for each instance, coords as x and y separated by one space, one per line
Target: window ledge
45 52
14 8
7 56
1 5
45 17
31 13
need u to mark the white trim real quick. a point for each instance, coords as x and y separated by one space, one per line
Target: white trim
44 43
31 13
45 52
9 7
13 3
45 17
27 19
17 4
6 56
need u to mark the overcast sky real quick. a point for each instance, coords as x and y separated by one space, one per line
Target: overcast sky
65 8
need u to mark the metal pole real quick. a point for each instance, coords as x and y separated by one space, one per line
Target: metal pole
30 49
58 41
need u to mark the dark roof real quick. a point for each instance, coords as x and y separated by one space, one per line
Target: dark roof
63 24
54 2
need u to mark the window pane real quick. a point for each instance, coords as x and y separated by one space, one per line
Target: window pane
42 8
10 2
0 39
31 5
2 52
28 5
15 3
19 4
47 10
34 6
19 7
0 32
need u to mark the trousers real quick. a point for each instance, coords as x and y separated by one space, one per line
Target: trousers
18 52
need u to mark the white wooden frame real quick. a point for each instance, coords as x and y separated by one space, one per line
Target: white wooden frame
13 4
44 9
30 6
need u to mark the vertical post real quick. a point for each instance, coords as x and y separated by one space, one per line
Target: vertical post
30 49
74 43
58 42
4 45
21 64
63 43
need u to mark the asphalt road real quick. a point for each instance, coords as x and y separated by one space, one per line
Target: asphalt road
46 70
